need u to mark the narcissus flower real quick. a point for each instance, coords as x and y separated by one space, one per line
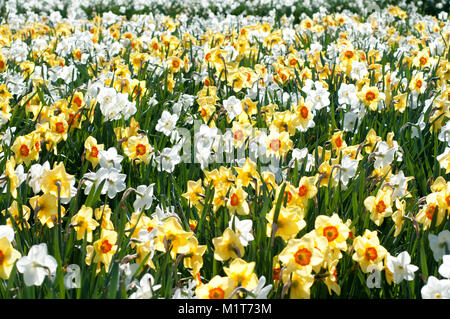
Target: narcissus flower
278 144
242 273
20 217
306 190
379 206
37 265
84 224
195 194
431 207
139 149
25 150
370 96
57 178
305 253
301 283
171 236
227 246
193 259
217 288
103 249
289 223
8 256
333 229
401 268
247 173
46 207
237 202
92 150
368 251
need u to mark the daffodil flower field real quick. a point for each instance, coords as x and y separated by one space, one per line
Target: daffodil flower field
224 150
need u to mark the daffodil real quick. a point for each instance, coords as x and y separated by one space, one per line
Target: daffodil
242 273
84 224
8 256
288 224
171 236
237 202
92 149
379 206
57 182
46 207
217 288
333 229
368 251
104 248
227 246
304 253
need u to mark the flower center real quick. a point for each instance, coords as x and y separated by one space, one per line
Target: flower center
418 84
338 142
303 256
302 190
380 207
430 212
24 151
77 101
234 200
330 232
105 247
304 112
59 127
94 151
216 293
423 60
371 253
275 145
238 135
349 54
2 257
370 96
276 273
140 149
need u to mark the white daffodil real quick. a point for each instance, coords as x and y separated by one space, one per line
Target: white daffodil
384 155
145 289
233 107
168 159
347 169
144 198
261 291
347 94
35 174
242 228
401 268
37 265
440 244
444 268
110 159
114 181
167 123
7 232
436 289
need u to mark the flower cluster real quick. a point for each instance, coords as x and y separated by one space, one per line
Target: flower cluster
265 149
